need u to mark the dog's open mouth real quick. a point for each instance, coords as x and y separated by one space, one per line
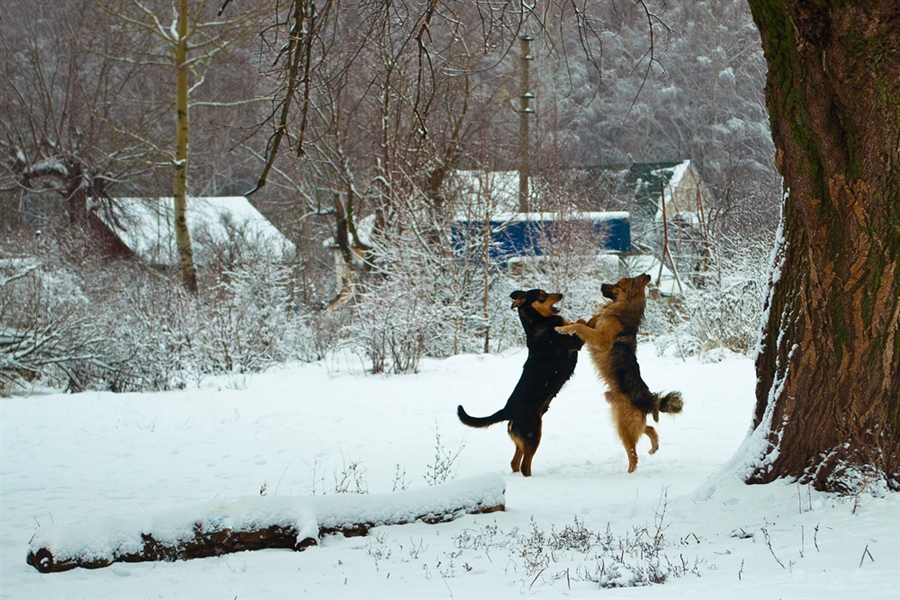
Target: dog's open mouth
553 300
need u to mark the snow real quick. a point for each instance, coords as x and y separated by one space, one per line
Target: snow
86 470
498 189
110 539
678 173
591 216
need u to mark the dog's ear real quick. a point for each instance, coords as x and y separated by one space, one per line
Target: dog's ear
518 298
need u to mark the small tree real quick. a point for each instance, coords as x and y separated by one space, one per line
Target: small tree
196 36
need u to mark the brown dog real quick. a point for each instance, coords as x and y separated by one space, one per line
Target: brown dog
551 361
611 338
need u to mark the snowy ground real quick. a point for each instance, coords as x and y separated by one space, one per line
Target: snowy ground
309 429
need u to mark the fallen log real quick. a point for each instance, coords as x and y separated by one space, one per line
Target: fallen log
254 524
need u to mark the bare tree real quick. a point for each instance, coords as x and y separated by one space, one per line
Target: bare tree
381 102
62 114
197 33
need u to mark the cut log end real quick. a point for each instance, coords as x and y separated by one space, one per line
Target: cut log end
42 560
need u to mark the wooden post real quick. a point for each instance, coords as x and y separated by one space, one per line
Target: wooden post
525 112
665 250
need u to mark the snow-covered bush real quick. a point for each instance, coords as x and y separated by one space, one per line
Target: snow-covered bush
45 329
243 322
724 314
419 298
121 326
153 327
311 333
391 324
247 311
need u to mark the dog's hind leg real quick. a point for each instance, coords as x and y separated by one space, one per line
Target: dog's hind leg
530 449
631 449
516 462
654 439
519 461
630 426
527 440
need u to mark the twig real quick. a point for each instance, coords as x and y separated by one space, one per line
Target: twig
444 579
863 557
765 533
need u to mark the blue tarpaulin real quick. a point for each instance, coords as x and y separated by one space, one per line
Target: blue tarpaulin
525 234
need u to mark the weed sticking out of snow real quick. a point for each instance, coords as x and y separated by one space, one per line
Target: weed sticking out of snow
444 467
576 554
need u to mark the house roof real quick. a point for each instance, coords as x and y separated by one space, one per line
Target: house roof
640 182
494 190
647 179
227 224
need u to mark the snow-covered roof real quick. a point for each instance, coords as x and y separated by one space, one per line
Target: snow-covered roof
677 173
643 182
227 223
593 216
646 180
497 189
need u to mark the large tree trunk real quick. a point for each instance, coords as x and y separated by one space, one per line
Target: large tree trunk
182 235
828 391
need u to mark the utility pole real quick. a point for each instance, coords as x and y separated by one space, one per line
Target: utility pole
525 112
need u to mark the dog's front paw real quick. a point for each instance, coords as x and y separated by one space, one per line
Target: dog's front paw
566 329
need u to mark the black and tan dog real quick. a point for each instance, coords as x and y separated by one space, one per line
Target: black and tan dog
551 360
611 337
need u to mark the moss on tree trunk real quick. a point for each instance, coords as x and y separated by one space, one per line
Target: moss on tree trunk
828 392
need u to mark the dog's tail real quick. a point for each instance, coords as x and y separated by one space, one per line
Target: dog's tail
471 421
671 403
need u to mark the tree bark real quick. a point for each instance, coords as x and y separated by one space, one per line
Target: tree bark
828 386
182 235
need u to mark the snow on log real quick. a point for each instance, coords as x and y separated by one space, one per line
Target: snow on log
254 523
